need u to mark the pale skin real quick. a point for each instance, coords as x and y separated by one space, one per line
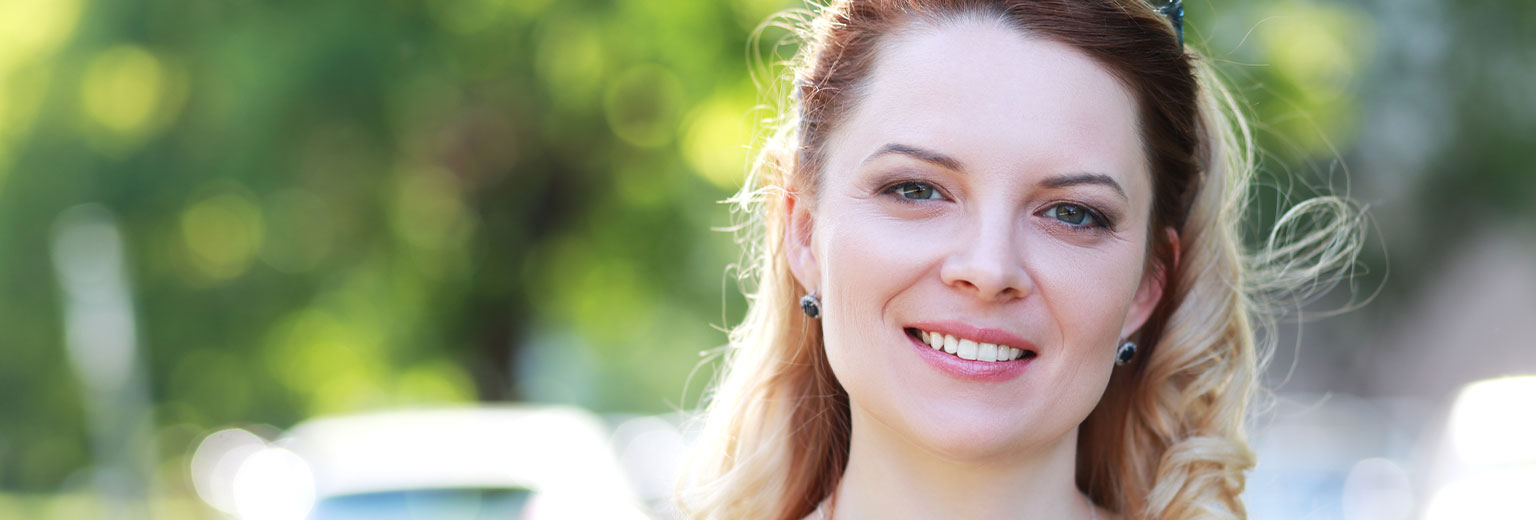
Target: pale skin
996 179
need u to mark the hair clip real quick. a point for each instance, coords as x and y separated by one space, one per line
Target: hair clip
1175 12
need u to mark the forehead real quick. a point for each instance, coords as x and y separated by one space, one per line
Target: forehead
980 90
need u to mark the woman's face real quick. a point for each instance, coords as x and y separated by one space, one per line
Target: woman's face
992 187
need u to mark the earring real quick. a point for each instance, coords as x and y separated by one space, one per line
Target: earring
1126 352
811 304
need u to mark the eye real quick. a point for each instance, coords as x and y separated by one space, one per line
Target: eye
1075 215
915 190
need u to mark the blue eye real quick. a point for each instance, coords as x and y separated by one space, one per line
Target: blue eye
1075 215
914 190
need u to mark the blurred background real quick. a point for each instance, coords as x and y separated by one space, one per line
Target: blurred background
458 258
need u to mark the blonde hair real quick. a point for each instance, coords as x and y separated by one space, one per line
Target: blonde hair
1167 440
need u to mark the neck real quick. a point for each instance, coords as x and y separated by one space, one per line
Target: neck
890 477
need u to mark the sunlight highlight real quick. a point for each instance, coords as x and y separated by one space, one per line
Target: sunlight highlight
222 233
712 144
274 484
1492 421
30 29
122 88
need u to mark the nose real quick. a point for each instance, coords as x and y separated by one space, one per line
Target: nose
987 261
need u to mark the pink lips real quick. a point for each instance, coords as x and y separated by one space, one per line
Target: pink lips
987 371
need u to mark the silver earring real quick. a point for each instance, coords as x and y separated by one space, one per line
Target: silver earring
1126 353
811 304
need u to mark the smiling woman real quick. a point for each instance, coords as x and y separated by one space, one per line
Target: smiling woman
984 208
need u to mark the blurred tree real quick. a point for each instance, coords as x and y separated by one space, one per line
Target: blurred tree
336 206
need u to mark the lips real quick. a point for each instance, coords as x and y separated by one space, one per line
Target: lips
968 348
964 341
974 370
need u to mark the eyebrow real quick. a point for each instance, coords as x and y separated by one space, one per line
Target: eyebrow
917 153
1075 179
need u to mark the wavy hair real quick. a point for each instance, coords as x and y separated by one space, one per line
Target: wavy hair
1167 439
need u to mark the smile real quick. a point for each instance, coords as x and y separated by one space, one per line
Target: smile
968 349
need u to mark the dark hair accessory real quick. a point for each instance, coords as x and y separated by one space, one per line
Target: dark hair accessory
1175 12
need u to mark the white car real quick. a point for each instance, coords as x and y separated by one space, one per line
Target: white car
528 462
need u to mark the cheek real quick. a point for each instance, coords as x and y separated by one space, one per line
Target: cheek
1089 292
866 262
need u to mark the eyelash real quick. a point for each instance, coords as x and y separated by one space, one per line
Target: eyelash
895 189
1102 223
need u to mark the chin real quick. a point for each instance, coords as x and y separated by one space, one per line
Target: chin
981 434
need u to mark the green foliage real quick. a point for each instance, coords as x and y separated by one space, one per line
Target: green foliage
337 206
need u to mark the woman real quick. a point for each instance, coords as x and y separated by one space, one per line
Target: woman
998 275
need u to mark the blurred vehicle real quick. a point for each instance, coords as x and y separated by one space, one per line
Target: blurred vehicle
1485 459
528 462
1332 457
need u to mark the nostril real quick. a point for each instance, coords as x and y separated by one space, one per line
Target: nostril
994 286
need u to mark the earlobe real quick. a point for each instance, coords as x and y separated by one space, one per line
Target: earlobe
1150 290
797 241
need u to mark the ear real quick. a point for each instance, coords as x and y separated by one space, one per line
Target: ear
1150 291
798 246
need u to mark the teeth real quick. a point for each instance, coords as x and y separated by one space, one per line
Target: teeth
986 352
968 349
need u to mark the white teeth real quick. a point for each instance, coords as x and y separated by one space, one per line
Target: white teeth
968 349
986 352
